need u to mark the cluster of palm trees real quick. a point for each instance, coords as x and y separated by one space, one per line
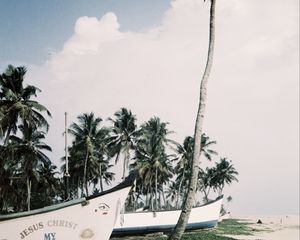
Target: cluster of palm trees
30 180
24 166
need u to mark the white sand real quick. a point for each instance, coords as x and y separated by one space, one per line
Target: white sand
273 227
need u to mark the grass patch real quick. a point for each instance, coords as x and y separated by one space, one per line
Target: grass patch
232 227
204 235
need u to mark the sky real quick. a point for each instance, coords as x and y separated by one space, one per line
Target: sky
149 56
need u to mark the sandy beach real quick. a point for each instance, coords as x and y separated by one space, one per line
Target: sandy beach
279 227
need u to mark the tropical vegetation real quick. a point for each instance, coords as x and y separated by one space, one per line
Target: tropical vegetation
30 180
22 129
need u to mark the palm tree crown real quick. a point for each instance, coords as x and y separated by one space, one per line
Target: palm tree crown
16 103
123 136
225 174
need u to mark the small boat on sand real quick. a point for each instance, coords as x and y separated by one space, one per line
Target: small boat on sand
90 218
139 223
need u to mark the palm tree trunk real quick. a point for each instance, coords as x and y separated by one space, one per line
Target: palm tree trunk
187 206
159 200
125 164
7 136
82 189
86 189
164 197
221 189
136 201
84 174
151 198
28 193
2 203
156 203
179 188
78 187
124 168
100 178
147 199
206 195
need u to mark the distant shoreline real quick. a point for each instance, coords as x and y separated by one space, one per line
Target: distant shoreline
273 227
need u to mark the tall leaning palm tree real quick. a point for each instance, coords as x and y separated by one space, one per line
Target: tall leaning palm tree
123 136
16 103
187 206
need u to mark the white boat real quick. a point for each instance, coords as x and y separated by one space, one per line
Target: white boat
90 218
137 223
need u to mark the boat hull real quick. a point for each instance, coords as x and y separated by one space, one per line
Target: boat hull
138 223
88 219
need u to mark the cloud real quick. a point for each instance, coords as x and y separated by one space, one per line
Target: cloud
253 90
90 34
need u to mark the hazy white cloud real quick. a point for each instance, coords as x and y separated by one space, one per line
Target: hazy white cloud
90 34
253 92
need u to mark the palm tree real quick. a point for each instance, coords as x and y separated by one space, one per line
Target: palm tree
12 191
182 168
1 116
152 162
103 158
207 181
76 166
48 188
185 155
163 173
16 103
225 174
28 150
8 180
17 107
83 150
102 173
205 147
186 210
123 136
217 177
172 194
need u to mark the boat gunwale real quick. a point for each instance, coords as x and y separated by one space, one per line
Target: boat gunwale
42 210
175 210
126 183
